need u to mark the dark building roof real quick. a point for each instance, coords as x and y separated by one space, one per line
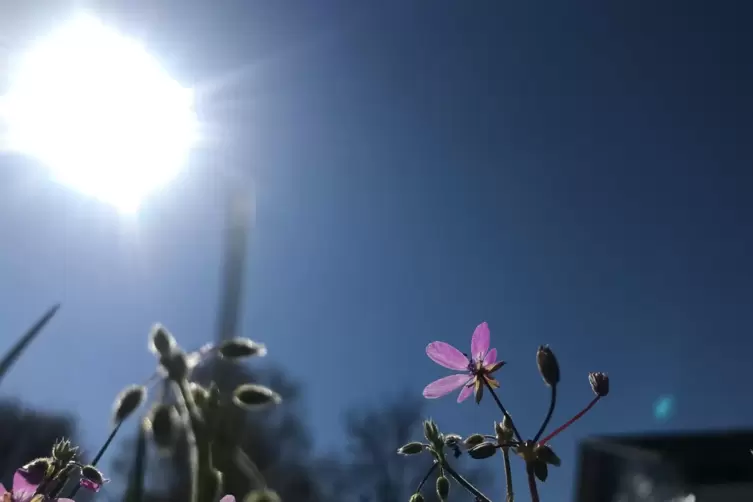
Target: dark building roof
678 460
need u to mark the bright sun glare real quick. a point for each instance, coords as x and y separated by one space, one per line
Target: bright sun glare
100 113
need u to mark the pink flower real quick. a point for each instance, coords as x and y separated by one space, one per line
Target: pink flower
90 485
476 371
25 485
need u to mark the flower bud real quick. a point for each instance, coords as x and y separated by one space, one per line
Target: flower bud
431 431
443 488
417 497
161 342
599 383
548 366
252 396
164 423
547 455
482 451
411 448
240 348
262 496
473 440
507 422
63 451
504 435
128 401
91 478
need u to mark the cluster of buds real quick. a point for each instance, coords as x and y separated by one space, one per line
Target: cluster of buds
196 410
436 445
164 420
49 475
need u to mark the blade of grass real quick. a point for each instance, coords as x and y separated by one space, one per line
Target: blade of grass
135 492
15 352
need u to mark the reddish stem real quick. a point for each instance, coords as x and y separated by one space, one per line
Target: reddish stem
571 421
532 483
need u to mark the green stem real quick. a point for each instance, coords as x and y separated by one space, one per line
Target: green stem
532 483
426 478
249 468
571 421
549 413
98 456
508 474
135 490
504 412
188 411
480 497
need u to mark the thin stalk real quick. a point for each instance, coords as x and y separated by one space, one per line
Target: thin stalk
249 468
504 412
571 421
532 483
426 478
480 497
187 411
508 474
552 404
98 456
135 491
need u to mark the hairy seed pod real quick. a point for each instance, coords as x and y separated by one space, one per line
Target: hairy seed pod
128 401
251 396
482 451
548 365
473 440
443 488
164 423
161 341
241 348
411 448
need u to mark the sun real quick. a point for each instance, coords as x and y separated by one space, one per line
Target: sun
100 112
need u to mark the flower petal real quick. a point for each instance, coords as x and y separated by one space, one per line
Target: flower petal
444 386
480 342
227 498
446 355
491 357
90 485
465 393
64 500
3 491
25 482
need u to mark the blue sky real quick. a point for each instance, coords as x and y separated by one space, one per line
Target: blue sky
575 175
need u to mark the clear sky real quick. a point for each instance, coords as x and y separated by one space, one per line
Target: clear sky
574 173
